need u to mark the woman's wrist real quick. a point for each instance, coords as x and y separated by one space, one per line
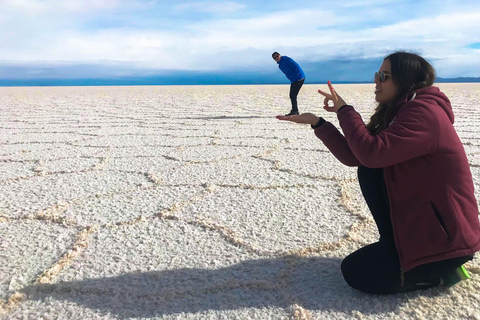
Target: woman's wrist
345 105
320 122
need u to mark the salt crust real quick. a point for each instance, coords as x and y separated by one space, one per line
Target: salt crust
192 203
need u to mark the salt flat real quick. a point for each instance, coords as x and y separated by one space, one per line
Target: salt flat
193 202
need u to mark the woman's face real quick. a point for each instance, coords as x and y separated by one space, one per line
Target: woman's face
387 90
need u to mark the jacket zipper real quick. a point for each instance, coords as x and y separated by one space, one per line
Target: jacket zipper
402 277
440 220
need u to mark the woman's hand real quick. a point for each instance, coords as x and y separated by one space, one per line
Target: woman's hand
338 102
308 118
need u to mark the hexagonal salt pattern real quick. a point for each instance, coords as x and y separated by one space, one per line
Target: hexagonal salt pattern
163 269
26 196
192 203
256 172
121 207
27 249
276 220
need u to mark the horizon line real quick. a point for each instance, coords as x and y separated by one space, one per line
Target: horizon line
98 82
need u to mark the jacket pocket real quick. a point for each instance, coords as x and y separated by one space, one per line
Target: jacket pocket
441 222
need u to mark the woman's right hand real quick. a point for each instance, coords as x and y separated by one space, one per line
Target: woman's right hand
307 118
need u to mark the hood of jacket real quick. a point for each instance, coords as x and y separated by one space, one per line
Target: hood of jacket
431 95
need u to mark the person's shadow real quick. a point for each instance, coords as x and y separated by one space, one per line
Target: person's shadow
313 283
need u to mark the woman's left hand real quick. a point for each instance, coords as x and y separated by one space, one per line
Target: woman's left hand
308 118
338 102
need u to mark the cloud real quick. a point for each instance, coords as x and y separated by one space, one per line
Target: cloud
223 7
208 35
190 48
38 7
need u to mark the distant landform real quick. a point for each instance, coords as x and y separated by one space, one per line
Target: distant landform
186 80
461 79
42 73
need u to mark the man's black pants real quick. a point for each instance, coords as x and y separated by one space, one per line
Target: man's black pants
294 90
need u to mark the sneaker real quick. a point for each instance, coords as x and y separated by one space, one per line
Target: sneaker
292 113
456 276
462 273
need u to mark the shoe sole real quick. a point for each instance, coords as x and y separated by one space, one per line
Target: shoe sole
463 273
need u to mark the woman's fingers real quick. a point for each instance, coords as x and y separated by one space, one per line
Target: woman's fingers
293 118
334 94
325 102
334 97
307 118
323 93
329 84
327 97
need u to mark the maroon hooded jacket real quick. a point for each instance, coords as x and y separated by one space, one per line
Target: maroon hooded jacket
433 208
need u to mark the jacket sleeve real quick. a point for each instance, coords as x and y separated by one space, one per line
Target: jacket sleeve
413 133
337 144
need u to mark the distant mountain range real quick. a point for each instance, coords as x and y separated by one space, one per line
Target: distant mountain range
186 79
91 74
461 79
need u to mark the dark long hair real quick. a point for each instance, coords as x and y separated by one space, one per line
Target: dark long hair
409 72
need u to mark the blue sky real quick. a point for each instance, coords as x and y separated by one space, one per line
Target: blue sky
232 40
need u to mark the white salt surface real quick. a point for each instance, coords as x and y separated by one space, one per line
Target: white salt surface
192 203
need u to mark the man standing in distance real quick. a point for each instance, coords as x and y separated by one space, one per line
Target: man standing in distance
296 76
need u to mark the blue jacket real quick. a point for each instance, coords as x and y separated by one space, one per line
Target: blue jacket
291 69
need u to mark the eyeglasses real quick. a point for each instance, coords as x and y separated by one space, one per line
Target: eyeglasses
381 76
275 57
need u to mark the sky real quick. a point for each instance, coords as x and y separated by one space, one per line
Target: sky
231 41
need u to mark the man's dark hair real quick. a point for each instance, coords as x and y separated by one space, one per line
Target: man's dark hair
273 54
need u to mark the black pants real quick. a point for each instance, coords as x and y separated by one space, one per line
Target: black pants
376 267
294 90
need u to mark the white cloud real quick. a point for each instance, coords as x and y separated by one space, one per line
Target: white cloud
28 7
52 33
222 7
367 3
37 7
194 48
87 5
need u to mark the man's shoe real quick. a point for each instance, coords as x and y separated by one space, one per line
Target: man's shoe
292 113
